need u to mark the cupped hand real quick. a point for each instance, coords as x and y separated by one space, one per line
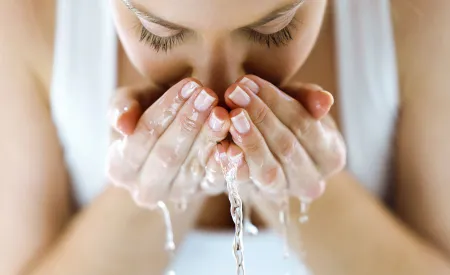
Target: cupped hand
286 140
164 149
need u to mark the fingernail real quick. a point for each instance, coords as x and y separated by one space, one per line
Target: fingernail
324 103
203 101
315 191
188 89
239 97
329 95
241 123
250 84
117 112
215 123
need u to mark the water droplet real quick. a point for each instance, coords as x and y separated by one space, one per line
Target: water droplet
249 227
304 209
284 221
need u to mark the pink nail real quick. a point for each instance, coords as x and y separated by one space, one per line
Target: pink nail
203 101
241 123
188 89
250 84
239 97
215 123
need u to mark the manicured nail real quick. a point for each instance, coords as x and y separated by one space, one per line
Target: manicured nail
241 123
215 123
188 89
239 97
250 84
203 101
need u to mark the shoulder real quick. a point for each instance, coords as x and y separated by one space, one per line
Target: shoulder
27 34
422 33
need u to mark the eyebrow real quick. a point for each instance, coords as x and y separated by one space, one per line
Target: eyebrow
157 20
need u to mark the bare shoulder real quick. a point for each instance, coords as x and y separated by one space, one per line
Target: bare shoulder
422 33
27 34
422 30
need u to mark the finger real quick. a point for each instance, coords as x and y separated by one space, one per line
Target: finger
214 182
193 169
300 170
236 155
172 148
314 98
264 169
323 143
129 154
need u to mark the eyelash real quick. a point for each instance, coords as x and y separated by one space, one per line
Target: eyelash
278 39
158 43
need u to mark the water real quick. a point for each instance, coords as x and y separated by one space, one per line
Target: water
249 227
229 169
284 221
304 209
170 243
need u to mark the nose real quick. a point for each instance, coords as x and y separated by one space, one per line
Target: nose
219 66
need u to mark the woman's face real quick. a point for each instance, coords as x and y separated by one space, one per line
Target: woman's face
217 41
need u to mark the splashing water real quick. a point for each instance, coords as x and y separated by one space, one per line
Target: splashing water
170 244
304 209
249 227
284 221
229 170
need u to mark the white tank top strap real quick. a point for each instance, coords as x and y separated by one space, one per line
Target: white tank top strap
369 94
84 76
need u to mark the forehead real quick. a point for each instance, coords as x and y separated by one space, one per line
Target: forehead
211 14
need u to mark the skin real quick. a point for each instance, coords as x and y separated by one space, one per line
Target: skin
340 239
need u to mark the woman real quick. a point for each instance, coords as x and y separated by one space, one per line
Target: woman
57 95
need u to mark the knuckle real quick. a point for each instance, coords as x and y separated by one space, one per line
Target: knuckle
270 178
302 127
168 156
189 124
151 127
208 138
288 145
195 169
251 146
260 115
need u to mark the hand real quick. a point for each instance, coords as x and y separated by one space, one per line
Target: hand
285 145
164 150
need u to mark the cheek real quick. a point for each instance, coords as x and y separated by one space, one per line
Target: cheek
280 64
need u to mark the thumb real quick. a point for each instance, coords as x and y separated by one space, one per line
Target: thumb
127 106
314 98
